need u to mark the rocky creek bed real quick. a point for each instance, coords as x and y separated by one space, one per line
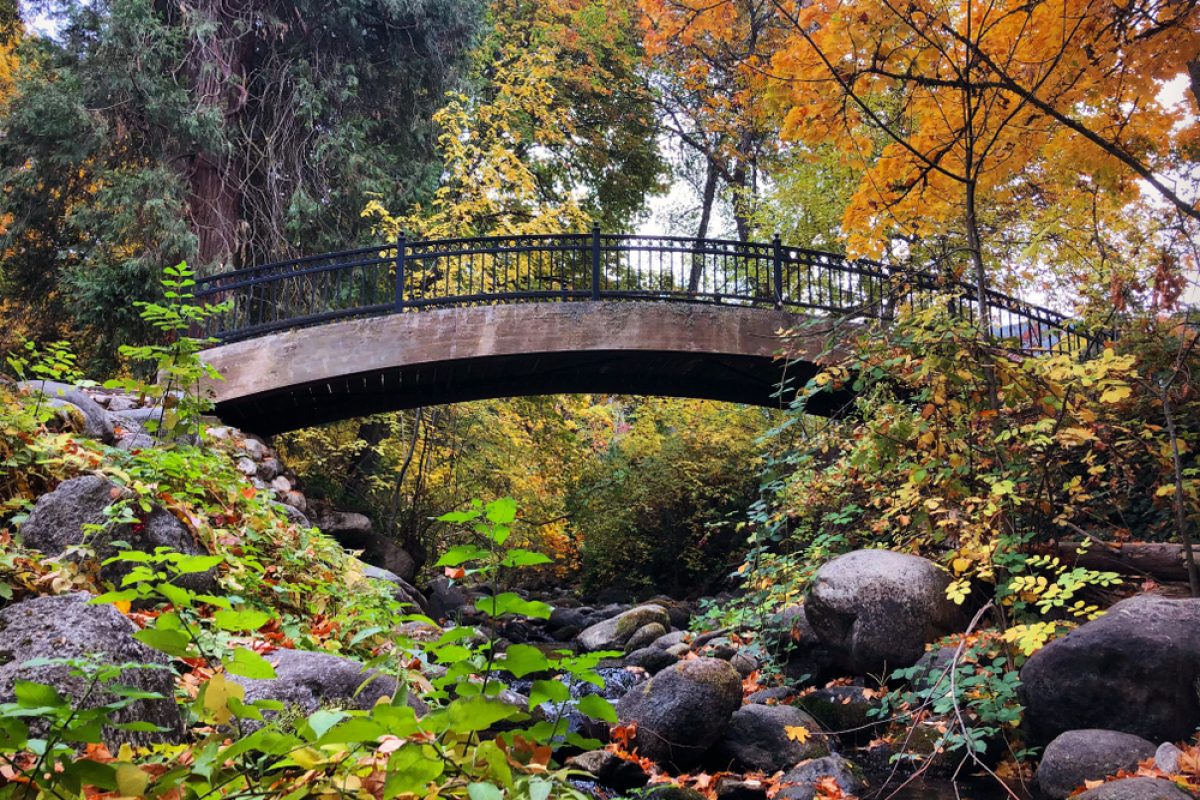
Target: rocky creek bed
1112 696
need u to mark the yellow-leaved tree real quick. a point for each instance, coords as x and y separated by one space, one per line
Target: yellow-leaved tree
489 186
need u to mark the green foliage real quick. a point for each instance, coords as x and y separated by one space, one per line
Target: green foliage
975 693
139 135
330 749
656 510
42 732
177 363
630 491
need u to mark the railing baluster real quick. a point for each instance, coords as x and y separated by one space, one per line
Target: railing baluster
596 261
398 298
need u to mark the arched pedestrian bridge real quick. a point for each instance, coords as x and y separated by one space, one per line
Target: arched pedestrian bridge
427 322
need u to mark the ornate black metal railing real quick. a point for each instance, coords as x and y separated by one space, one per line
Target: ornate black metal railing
409 276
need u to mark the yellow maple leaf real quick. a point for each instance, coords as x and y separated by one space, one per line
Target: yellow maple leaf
797 733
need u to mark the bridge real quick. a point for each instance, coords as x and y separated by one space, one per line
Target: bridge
418 323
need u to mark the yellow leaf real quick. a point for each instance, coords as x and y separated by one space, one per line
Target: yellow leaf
131 781
1115 394
217 693
797 733
961 565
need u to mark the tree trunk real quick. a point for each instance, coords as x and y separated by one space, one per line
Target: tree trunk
213 207
1163 561
706 207
1181 522
216 70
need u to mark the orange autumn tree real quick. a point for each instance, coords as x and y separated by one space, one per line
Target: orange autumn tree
1017 135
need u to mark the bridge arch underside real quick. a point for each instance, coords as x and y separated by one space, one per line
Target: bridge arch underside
341 370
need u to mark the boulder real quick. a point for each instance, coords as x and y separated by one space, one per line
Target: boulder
651 659
721 647
67 626
295 515
673 638
95 419
1168 758
645 636
353 531
683 710
131 442
58 518
614 632
757 738
773 695
672 791
876 610
745 663
845 710
611 770
118 402
1136 789
733 787
402 590
141 419
566 618
305 681
1075 757
444 598
790 637
339 523
800 783
1134 669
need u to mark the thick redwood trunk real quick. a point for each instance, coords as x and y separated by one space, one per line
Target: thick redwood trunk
214 209
216 69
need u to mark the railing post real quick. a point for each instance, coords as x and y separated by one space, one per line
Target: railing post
401 243
596 261
777 269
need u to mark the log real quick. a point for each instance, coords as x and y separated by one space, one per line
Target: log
1159 560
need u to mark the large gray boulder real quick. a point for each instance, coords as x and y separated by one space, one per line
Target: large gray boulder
1135 669
1088 755
95 419
1136 789
306 681
682 711
757 738
876 610
58 519
67 627
613 633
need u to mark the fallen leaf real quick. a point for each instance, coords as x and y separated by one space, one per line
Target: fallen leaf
797 733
